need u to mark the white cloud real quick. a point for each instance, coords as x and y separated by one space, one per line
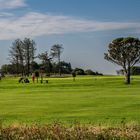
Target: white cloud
37 24
10 4
5 14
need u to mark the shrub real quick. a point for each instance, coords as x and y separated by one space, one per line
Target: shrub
89 72
79 71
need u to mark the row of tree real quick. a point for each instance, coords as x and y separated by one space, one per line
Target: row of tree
22 56
49 68
53 68
79 71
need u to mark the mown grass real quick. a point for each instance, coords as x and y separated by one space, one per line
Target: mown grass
102 100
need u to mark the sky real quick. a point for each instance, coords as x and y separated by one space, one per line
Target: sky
84 27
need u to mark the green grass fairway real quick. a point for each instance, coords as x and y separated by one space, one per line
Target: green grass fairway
103 99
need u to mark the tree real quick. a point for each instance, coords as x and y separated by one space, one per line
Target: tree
90 72
16 55
35 66
46 62
135 70
4 69
9 69
22 54
56 51
73 75
29 53
120 72
37 75
79 71
65 67
124 52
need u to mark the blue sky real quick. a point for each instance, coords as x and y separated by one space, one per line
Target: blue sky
84 27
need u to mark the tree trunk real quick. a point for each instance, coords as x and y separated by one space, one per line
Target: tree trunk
59 65
127 76
60 69
28 68
17 68
41 78
22 71
17 65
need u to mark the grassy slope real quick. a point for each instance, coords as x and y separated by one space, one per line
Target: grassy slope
89 99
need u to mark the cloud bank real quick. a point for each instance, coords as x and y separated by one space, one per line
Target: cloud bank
35 24
11 4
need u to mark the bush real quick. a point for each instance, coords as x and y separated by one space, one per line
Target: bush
73 74
89 72
97 73
79 71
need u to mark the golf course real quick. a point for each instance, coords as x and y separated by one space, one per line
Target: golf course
105 100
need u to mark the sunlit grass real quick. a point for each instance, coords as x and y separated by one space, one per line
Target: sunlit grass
101 99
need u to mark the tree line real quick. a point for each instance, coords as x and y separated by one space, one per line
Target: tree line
124 51
22 57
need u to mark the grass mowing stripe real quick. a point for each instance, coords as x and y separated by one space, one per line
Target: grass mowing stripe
101 99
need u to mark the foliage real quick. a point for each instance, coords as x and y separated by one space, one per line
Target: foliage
65 67
16 56
79 71
90 72
120 72
135 70
97 73
124 52
29 54
48 68
22 54
46 62
22 59
8 69
56 51
73 74
35 66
